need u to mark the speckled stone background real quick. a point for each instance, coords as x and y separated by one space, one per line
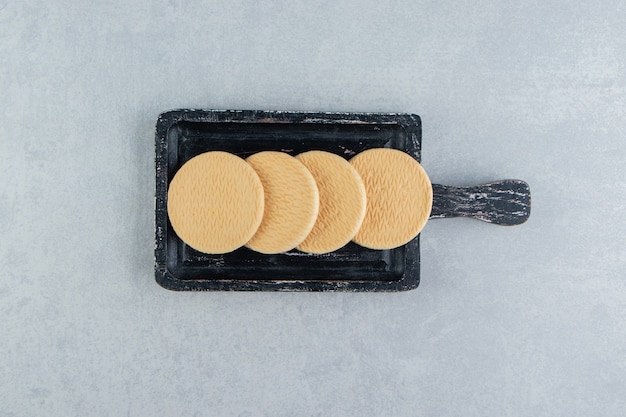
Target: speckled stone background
522 321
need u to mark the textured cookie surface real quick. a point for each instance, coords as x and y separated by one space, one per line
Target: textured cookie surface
399 198
342 202
215 202
291 202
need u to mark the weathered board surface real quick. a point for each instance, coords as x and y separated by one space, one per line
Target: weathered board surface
505 202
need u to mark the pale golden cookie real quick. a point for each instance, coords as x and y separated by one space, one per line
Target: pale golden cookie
215 202
291 202
399 198
342 202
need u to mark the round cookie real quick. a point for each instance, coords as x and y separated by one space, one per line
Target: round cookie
215 202
291 202
399 198
342 202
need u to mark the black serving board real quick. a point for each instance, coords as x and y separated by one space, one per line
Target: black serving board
183 134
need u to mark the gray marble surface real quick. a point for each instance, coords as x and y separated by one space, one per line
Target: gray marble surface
522 321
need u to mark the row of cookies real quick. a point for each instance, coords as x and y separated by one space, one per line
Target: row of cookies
315 202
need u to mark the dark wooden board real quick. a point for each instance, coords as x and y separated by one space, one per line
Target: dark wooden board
183 134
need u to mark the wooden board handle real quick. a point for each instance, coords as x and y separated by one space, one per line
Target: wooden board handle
505 202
